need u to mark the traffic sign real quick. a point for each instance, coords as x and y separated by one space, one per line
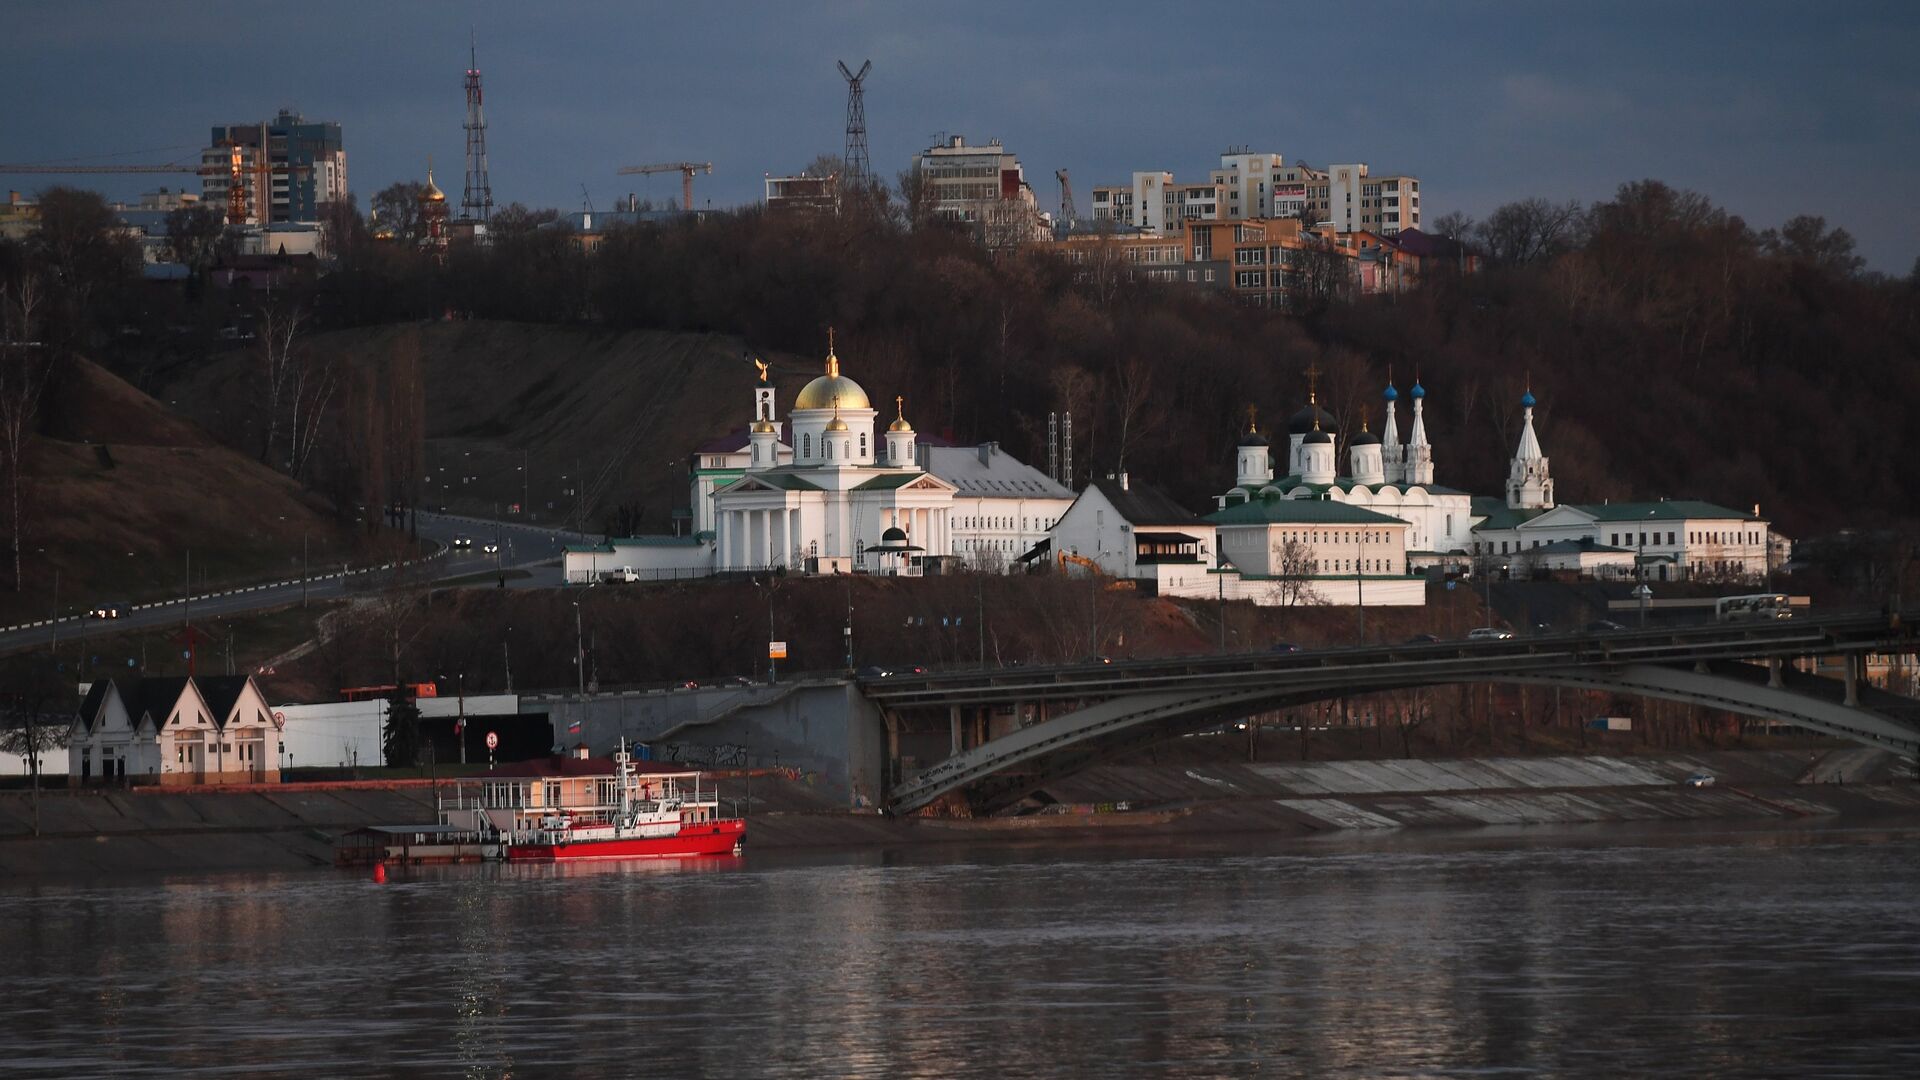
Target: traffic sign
776 650
493 741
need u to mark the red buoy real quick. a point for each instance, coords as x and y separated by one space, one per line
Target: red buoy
379 873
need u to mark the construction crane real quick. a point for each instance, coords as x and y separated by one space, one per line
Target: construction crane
1067 212
234 168
686 169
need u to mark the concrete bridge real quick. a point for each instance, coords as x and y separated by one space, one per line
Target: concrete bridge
1085 712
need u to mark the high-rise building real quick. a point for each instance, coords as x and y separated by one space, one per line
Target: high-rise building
1252 187
292 169
983 187
1157 204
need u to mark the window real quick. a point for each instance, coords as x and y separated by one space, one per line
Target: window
1669 536
827 445
863 444
806 446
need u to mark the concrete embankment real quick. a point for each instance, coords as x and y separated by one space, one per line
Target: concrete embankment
88 834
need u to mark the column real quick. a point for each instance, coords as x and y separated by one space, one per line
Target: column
796 538
777 535
723 524
953 724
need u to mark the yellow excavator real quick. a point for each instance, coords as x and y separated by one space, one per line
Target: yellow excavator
1093 570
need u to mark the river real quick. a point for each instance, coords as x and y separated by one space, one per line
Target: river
1589 951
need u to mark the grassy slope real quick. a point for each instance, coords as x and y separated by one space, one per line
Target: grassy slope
120 532
571 398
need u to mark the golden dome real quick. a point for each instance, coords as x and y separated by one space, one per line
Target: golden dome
432 192
832 389
900 421
836 424
762 427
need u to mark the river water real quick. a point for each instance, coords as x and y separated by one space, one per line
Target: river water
1552 952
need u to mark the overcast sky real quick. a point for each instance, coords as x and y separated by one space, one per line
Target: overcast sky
1771 109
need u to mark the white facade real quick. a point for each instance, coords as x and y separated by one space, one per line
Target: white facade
837 495
1249 180
983 187
343 734
1119 530
176 731
1002 506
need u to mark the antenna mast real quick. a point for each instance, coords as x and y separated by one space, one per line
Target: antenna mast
859 169
477 201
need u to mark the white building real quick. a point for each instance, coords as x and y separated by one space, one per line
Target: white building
1155 203
1119 529
982 187
1002 507
1286 552
1383 475
841 490
198 730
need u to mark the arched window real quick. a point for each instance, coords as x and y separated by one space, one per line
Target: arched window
806 446
827 445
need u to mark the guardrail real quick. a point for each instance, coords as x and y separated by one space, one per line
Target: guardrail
240 590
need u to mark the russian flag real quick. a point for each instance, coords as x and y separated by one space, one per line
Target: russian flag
573 728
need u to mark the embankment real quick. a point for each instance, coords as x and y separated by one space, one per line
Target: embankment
289 827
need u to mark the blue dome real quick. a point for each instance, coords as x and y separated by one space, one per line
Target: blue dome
1418 391
1391 394
1526 400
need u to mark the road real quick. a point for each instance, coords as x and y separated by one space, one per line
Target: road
522 547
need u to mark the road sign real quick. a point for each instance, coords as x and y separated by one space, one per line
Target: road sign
493 741
776 650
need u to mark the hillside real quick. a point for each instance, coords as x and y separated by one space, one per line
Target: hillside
120 488
558 400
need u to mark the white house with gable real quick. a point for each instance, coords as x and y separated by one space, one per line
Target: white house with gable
193 730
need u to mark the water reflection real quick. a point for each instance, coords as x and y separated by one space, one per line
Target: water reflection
1744 953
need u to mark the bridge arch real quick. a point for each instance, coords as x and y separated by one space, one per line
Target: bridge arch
999 773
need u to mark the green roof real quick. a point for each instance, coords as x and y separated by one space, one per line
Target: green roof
888 481
1346 483
783 481
1505 517
1663 510
1272 511
655 541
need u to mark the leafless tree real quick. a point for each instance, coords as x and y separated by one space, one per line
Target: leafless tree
1132 396
279 328
32 717
1531 230
23 378
1293 585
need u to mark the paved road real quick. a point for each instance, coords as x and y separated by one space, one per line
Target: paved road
522 547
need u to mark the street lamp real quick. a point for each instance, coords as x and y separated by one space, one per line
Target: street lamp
579 651
460 722
772 671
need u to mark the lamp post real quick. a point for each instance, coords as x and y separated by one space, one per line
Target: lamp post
1640 591
460 721
579 651
772 668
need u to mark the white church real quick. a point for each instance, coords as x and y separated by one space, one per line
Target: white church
1521 533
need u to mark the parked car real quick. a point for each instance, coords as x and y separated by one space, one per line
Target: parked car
1603 626
1490 633
624 574
462 542
1700 779
1283 647
1423 639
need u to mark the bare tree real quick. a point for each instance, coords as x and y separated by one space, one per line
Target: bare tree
279 328
1133 404
1293 585
23 377
1531 230
33 718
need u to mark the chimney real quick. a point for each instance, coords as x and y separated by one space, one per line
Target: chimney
1123 481
987 450
580 751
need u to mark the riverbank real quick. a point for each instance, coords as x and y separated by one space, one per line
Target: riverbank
293 826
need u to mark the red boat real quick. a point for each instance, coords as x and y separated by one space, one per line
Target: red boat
593 808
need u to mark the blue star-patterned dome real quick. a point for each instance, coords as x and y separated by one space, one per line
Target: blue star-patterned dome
1390 393
1526 400
1418 391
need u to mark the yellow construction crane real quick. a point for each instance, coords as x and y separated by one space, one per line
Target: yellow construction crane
686 169
235 168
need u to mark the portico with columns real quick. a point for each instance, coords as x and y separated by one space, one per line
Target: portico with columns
841 490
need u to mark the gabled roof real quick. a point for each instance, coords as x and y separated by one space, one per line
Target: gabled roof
1140 504
892 481
1663 510
990 472
96 699
1272 511
222 693
773 479
1505 517
156 698
735 441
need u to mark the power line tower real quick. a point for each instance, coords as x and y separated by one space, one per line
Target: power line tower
859 169
477 201
1067 211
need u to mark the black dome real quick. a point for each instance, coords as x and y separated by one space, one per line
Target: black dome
1365 438
1317 437
1301 422
1253 438
895 535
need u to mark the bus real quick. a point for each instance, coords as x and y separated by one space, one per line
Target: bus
1757 606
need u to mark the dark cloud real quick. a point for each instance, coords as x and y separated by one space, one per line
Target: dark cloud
1771 109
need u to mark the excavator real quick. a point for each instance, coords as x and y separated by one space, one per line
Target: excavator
1093 570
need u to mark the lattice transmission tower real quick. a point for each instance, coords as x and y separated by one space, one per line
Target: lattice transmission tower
477 200
859 169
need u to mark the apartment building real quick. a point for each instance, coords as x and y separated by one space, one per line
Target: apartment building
982 187
1155 202
292 169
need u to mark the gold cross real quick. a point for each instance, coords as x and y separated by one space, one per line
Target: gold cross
1313 383
1253 413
